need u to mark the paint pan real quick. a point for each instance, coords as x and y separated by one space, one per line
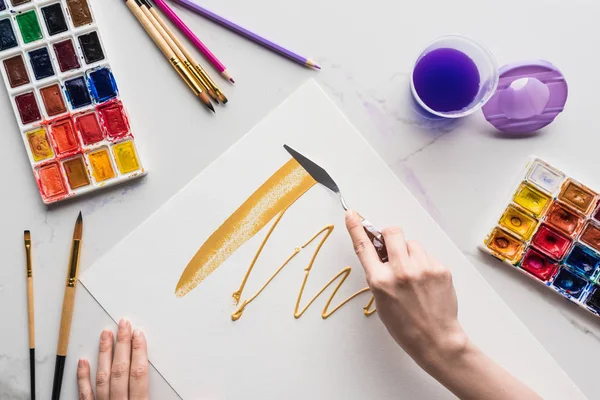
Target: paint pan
65 98
545 177
518 222
8 39
564 219
53 100
539 265
77 173
102 85
29 26
28 108
78 93
41 64
89 128
54 18
91 47
114 120
593 301
63 136
577 196
80 11
39 145
591 235
126 157
531 199
505 246
569 283
16 71
66 56
583 261
550 229
19 2
102 167
51 181
550 242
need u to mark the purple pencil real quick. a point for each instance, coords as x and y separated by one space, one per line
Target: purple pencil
246 33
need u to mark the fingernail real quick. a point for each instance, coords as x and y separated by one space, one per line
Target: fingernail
122 323
105 335
81 363
136 333
129 325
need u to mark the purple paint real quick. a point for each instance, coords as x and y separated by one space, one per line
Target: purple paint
446 80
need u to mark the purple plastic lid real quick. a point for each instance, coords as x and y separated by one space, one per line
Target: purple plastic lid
529 96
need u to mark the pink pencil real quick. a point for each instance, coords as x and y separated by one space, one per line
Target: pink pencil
194 39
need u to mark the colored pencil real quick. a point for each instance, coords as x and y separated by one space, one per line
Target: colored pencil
198 43
30 313
67 308
185 55
194 39
135 6
246 33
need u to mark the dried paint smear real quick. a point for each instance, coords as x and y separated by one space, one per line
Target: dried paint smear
271 200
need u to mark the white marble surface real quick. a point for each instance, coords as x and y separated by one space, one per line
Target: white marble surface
366 50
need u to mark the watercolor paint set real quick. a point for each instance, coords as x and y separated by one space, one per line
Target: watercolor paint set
65 98
550 230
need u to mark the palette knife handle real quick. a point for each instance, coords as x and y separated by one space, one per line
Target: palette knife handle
377 239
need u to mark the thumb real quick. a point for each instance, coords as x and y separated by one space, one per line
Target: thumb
363 247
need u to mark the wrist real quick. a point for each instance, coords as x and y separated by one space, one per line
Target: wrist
451 348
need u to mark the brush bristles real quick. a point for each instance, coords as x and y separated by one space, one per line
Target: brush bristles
213 96
78 233
27 235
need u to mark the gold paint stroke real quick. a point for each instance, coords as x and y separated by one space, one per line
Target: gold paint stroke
280 191
343 274
272 199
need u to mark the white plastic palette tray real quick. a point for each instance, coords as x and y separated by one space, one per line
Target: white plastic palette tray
65 98
549 229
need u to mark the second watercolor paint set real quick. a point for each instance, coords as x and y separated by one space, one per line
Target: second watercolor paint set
65 98
550 230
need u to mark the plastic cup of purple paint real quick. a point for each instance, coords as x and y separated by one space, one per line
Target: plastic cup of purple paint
454 76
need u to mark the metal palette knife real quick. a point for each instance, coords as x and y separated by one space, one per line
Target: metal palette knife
322 177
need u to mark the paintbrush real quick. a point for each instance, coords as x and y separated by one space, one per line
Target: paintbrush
175 45
322 177
135 7
30 313
67 308
168 11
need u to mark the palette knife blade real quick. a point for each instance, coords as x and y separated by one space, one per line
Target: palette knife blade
322 177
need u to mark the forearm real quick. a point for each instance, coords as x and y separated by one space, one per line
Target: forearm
470 374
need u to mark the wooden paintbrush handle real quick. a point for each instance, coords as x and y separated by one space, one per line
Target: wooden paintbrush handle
377 239
30 314
150 29
65 321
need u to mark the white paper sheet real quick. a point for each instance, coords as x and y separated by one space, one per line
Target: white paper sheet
268 354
